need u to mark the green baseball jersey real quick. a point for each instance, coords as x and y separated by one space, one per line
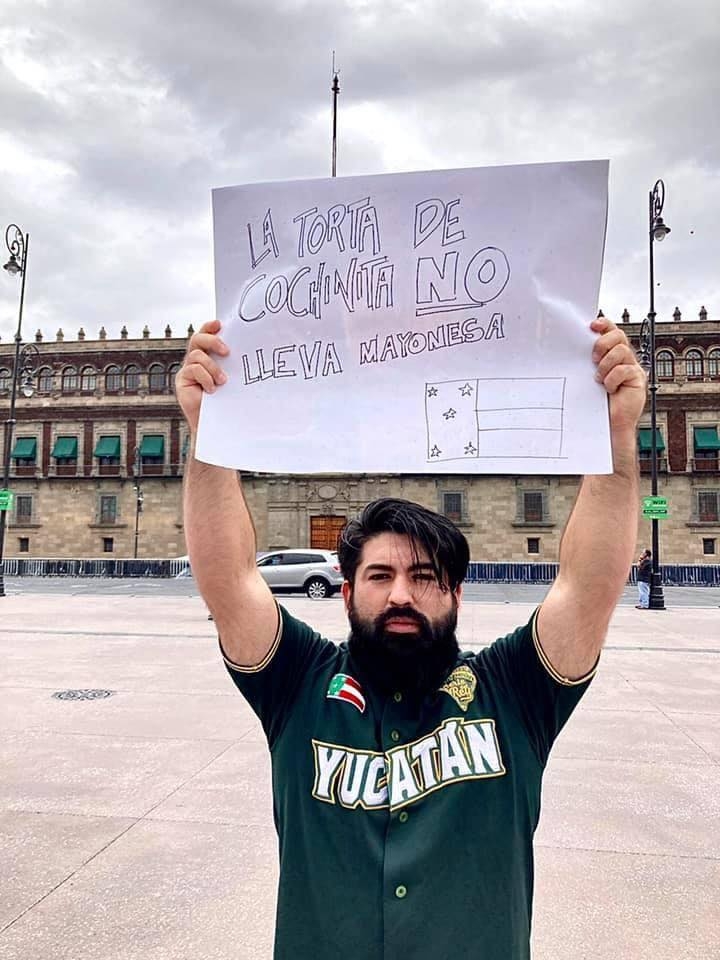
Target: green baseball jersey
406 827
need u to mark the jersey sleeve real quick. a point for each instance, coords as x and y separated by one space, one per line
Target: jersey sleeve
517 666
272 686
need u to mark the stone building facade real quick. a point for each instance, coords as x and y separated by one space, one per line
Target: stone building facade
102 415
102 431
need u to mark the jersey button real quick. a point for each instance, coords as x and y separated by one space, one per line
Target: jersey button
403 816
400 892
397 697
395 735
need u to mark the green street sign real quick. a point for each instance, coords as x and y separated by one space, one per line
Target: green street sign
655 508
6 499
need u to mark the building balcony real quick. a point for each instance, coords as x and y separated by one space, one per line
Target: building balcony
705 464
152 470
646 465
24 470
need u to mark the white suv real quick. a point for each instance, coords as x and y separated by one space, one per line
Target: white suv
316 572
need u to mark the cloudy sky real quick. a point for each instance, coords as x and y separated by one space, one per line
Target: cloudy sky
118 117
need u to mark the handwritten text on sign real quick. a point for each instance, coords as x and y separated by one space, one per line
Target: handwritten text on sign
350 305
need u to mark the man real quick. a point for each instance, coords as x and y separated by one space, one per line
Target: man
406 776
644 577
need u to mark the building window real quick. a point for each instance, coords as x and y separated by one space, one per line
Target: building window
708 506
45 380
25 452
693 364
113 379
108 545
132 378
23 544
665 365
152 450
158 378
706 448
107 450
645 449
5 379
533 506
533 544
23 508
714 363
65 451
452 506
88 379
709 546
69 380
108 508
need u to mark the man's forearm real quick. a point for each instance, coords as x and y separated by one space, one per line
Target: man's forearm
219 530
598 546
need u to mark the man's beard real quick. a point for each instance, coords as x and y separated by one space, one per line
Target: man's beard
409 662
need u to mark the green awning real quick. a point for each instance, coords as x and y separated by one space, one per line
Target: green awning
65 448
706 438
152 446
645 439
25 449
108 447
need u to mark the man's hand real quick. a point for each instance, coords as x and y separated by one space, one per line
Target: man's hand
620 373
200 372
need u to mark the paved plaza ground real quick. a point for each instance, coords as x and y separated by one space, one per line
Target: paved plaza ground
139 827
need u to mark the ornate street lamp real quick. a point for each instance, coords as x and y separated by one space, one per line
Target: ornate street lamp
17 246
139 496
657 230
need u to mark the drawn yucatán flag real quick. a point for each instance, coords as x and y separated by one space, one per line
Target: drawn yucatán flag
479 418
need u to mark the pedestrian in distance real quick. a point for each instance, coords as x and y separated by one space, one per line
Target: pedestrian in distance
644 578
407 774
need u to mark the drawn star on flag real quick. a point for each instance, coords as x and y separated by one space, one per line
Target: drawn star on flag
466 391
470 449
449 414
432 392
436 451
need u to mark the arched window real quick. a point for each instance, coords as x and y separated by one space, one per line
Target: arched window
714 363
132 377
69 379
4 378
172 373
693 363
45 380
665 365
113 379
88 378
158 378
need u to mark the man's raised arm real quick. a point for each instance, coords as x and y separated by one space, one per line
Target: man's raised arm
219 530
598 545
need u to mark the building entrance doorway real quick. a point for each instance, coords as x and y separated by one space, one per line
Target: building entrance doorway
324 531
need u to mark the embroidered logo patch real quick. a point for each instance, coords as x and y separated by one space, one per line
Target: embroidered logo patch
344 687
460 685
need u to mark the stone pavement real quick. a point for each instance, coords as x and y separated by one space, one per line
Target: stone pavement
139 827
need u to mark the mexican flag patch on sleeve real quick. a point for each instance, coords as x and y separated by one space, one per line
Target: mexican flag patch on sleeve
344 687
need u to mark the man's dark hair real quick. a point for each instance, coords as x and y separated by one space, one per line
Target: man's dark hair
444 544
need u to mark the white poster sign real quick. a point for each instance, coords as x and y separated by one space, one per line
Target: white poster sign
411 323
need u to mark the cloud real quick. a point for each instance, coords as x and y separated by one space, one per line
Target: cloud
119 118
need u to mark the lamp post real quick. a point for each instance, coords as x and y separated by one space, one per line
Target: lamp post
18 248
657 230
139 497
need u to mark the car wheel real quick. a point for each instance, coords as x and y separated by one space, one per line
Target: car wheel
317 588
